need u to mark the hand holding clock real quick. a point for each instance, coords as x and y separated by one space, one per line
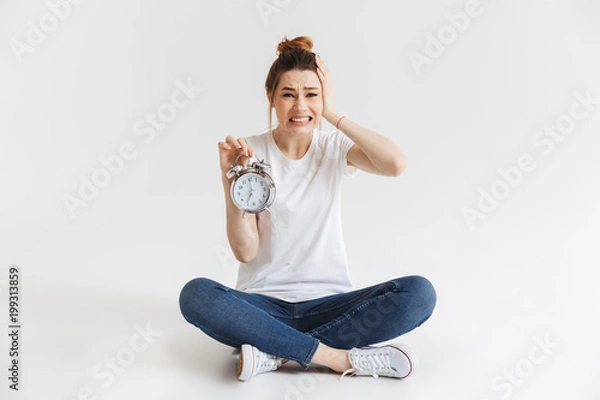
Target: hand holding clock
245 179
230 149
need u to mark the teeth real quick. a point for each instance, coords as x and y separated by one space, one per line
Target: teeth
304 119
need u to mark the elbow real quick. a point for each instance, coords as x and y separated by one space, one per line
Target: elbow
398 167
244 246
245 256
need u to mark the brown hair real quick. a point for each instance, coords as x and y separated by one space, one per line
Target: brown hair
292 54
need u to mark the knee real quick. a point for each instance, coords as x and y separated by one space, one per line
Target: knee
426 293
422 292
194 294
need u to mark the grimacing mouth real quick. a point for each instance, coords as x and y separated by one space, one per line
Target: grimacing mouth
304 118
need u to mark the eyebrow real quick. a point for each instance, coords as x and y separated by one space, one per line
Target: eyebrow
305 88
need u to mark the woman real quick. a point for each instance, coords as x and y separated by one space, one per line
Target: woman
293 299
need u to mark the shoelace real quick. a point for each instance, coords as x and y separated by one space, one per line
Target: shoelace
266 362
369 363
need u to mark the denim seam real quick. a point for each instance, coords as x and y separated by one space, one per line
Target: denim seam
306 362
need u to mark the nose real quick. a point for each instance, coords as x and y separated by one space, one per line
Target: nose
300 104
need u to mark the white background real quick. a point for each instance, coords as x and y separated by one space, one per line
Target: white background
528 270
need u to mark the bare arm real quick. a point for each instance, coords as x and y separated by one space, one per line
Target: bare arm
372 152
242 233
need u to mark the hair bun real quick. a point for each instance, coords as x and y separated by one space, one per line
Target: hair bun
300 42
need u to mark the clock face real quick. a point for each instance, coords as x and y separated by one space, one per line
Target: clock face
251 192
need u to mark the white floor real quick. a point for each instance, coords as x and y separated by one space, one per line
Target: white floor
71 333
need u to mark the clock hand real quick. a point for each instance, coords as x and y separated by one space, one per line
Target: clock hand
249 194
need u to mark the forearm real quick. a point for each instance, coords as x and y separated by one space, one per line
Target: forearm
242 233
383 152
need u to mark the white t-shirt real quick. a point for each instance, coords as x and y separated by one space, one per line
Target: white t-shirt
301 253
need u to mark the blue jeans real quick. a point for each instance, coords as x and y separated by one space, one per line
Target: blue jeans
293 331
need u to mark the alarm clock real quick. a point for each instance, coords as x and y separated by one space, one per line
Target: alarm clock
252 189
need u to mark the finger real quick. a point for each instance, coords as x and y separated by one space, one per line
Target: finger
321 63
245 146
322 79
233 142
325 79
320 74
223 146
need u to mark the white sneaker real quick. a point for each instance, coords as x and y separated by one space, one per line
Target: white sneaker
392 360
252 362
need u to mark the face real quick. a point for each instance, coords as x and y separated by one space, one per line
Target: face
298 101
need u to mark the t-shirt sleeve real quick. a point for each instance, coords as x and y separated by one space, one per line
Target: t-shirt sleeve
345 145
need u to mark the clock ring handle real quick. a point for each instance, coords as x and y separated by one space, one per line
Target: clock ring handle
236 160
235 168
261 164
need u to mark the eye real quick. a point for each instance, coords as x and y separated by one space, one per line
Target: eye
288 95
312 95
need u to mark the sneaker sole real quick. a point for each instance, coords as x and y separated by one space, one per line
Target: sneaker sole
246 363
